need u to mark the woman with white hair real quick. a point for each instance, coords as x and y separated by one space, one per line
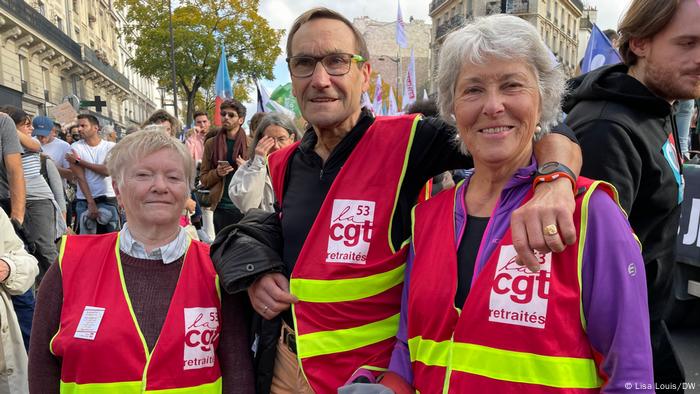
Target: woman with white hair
140 309
251 186
473 320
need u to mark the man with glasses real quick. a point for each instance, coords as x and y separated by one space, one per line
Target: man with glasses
219 162
346 191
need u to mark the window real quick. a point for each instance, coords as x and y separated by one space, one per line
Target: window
24 73
45 78
65 87
42 8
76 6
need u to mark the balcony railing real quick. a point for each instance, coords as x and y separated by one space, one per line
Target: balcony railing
28 16
517 7
453 23
435 4
90 57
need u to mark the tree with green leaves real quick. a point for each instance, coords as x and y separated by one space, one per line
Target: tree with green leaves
200 27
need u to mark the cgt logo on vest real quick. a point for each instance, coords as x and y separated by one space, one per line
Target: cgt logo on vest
350 232
201 332
519 296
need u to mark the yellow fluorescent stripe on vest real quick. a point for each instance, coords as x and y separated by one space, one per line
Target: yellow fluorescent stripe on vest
506 365
61 252
101 388
135 387
339 290
338 341
403 174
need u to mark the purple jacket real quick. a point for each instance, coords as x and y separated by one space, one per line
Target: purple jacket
614 287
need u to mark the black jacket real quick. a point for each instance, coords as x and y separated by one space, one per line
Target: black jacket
241 253
628 138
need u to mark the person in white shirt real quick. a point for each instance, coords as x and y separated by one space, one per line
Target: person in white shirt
56 149
87 161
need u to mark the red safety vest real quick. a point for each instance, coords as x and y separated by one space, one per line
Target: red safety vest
348 276
518 332
99 342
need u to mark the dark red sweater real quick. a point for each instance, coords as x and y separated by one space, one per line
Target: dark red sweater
150 284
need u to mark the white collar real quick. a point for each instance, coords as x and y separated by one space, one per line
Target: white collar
168 253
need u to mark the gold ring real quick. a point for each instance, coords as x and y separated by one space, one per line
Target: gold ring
551 229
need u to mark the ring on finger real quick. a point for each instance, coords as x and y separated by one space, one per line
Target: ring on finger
550 229
265 309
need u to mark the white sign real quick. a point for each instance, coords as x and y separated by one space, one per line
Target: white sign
519 296
64 113
89 323
351 227
201 330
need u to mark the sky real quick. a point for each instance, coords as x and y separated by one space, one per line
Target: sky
281 13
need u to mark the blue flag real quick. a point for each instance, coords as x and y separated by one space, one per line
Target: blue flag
222 84
599 52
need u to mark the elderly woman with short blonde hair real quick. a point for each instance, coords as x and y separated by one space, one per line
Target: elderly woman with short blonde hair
140 309
472 319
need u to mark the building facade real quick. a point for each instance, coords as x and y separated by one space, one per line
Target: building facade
557 21
53 51
387 59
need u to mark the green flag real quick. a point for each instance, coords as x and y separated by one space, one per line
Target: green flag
283 96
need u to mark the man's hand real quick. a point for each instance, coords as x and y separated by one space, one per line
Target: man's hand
4 270
270 295
72 158
545 223
264 145
92 210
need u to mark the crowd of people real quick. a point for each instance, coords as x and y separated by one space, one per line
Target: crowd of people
280 260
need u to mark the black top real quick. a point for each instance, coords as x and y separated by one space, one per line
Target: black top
466 256
308 180
624 130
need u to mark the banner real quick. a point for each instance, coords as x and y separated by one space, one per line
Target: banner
401 38
393 107
409 85
377 104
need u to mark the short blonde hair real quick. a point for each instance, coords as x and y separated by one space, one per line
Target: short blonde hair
140 144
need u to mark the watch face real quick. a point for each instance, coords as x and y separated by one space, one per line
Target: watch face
548 167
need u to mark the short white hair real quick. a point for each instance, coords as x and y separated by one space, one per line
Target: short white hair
505 37
137 145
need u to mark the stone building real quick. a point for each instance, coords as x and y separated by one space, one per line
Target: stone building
387 58
53 51
556 20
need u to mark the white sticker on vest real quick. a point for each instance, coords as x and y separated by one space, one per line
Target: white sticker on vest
351 228
89 323
519 296
201 330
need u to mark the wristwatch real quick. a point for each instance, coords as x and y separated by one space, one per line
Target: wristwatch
552 171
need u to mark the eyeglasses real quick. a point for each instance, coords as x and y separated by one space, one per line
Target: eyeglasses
336 64
229 115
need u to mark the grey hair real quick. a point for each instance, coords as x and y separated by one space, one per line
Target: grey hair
135 146
503 37
274 119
